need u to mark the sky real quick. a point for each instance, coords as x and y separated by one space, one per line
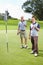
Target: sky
14 7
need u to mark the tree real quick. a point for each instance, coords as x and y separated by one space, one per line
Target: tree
35 7
1 16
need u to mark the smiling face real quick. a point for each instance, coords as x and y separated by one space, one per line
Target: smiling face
33 19
22 19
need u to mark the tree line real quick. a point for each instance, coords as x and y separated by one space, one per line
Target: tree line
35 7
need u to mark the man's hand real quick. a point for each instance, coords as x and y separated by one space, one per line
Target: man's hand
36 28
32 28
25 25
18 32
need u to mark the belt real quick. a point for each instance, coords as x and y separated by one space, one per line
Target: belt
22 30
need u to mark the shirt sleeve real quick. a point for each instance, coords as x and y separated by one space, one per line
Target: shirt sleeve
38 26
30 27
18 25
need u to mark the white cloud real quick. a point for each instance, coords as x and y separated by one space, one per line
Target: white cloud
15 10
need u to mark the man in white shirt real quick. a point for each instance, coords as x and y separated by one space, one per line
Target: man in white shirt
22 30
34 28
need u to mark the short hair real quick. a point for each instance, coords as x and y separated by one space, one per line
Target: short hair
34 17
22 17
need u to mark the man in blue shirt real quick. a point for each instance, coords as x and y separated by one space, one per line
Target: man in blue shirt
22 30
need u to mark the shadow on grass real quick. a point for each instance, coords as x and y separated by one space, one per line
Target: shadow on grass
41 53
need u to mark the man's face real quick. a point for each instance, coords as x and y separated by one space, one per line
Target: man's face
22 19
33 20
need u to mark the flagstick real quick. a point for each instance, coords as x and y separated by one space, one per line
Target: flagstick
6 36
5 19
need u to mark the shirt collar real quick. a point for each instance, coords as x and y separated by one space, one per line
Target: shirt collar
34 23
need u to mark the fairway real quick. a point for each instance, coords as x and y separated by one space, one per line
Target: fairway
21 32
15 55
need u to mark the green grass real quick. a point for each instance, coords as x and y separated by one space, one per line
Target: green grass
41 24
17 56
9 22
12 24
9 27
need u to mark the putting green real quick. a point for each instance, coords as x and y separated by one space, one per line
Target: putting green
17 56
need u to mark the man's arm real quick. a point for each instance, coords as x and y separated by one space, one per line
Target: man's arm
18 31
38 27
25 24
